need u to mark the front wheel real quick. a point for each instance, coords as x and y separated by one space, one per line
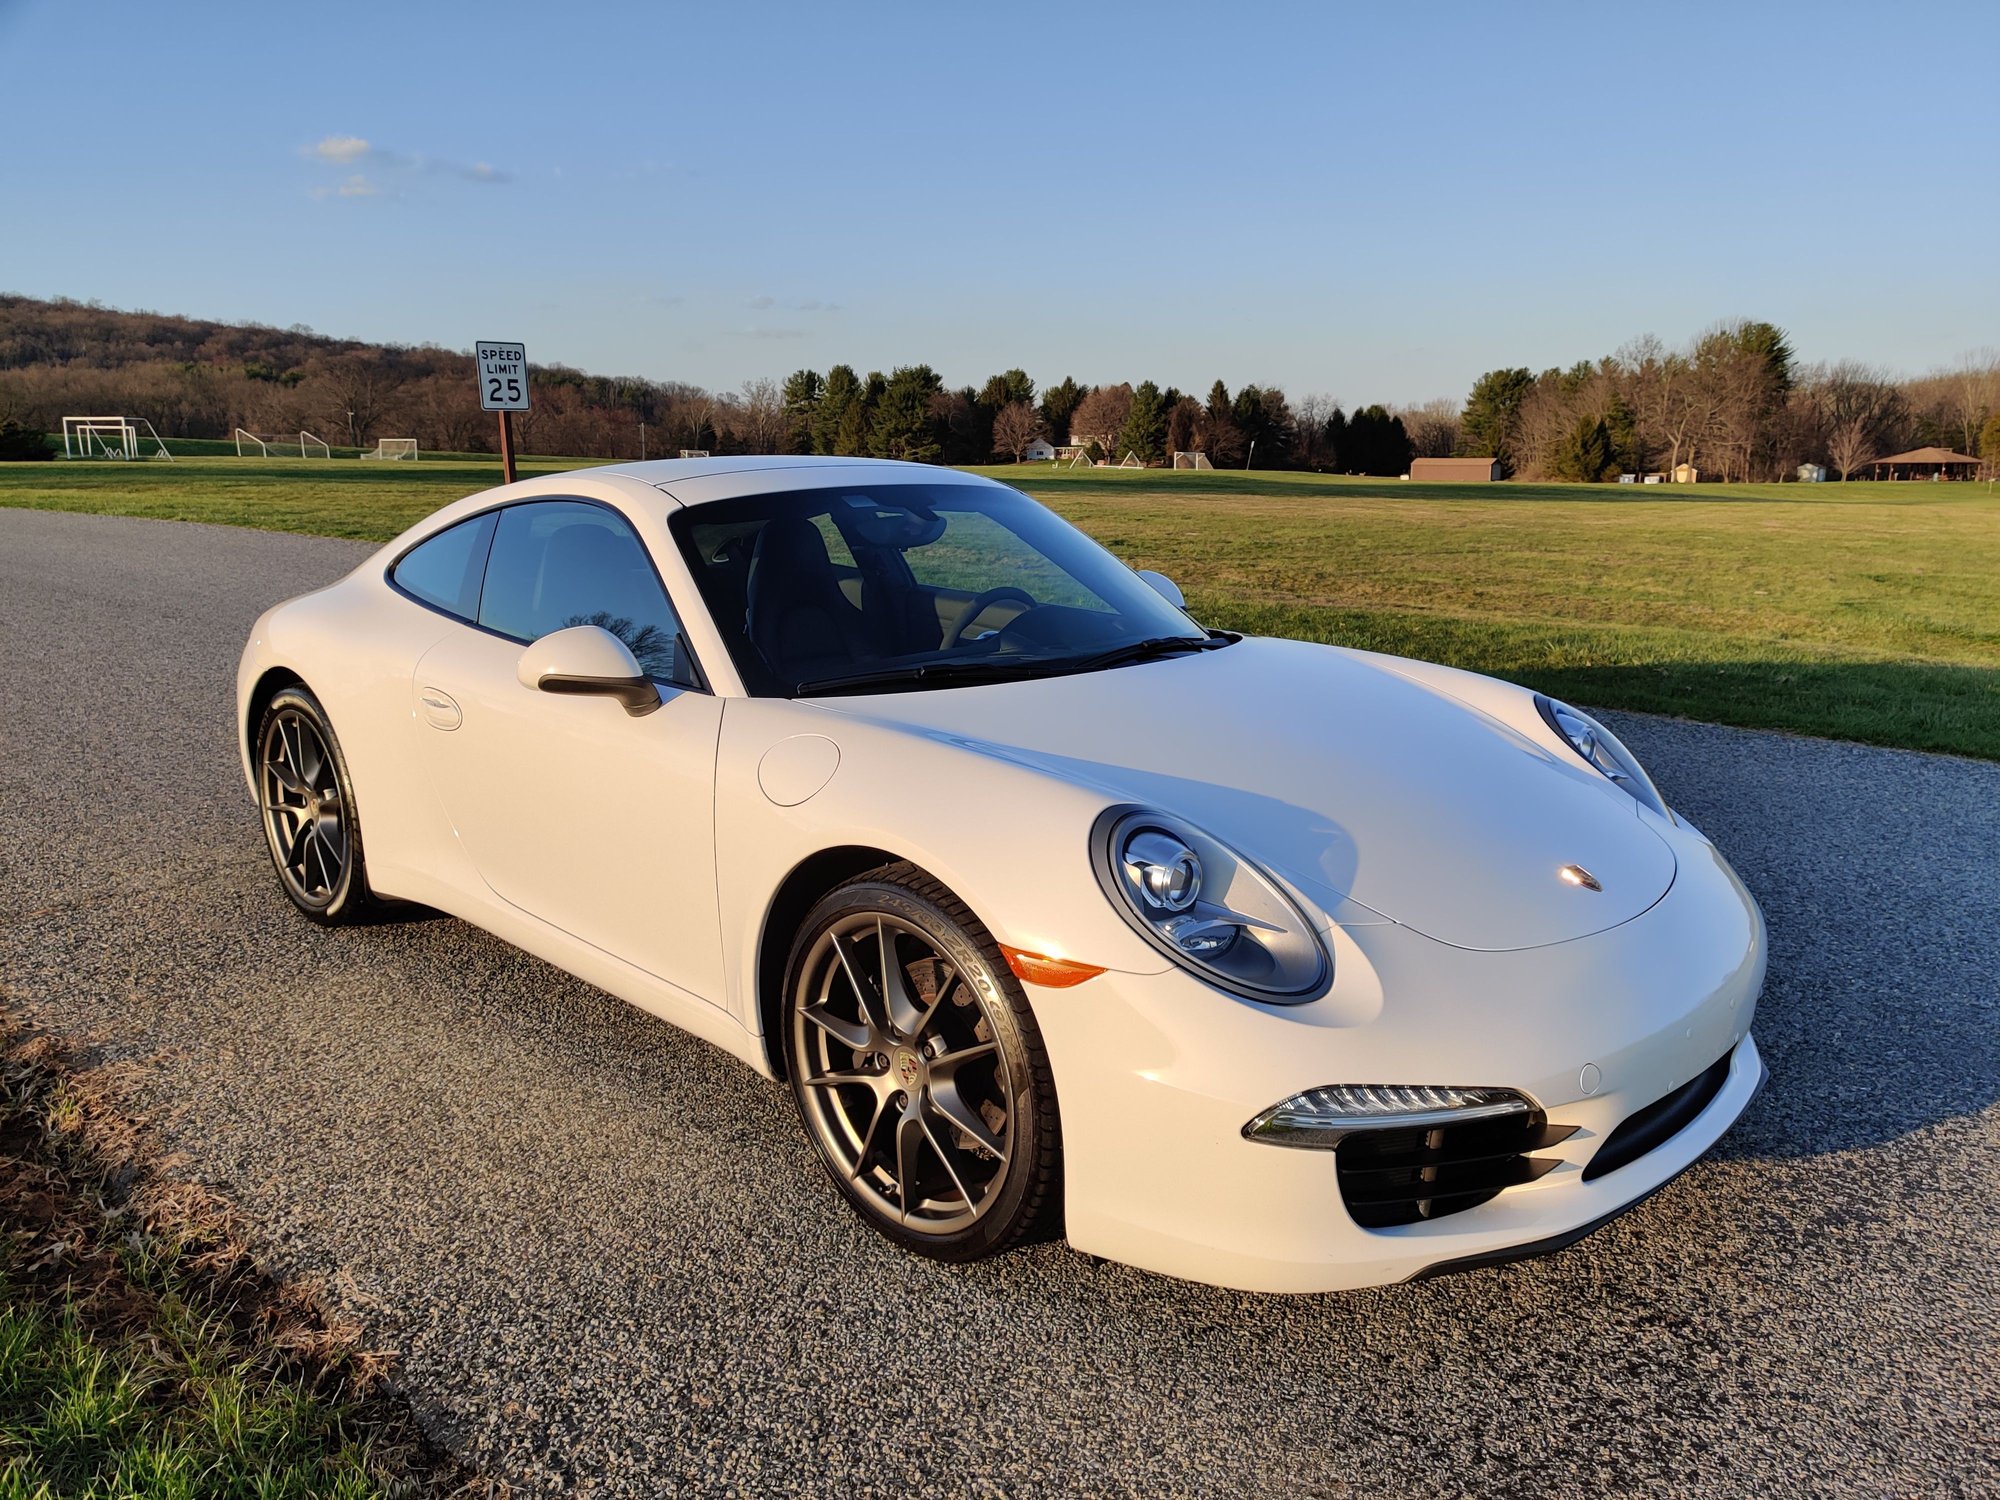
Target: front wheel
919 1070
307 802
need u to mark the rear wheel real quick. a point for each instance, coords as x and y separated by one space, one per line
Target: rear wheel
918 1068
307 802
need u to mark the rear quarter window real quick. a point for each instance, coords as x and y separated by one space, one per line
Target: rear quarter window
444 571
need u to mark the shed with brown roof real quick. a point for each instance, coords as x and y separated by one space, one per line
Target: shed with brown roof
1456 470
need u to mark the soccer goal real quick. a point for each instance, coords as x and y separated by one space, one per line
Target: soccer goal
392 448
111 437
1192 460
308 443
1130 461
694 453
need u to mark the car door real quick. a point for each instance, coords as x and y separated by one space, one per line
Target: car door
593 819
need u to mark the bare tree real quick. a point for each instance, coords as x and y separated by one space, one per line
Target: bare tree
1849 446
1433 427
760 417
1015 425
1100 416
356 392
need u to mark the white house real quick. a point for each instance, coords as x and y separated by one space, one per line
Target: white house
1041 450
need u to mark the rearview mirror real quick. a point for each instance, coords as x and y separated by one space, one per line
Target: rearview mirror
1165 587
588 659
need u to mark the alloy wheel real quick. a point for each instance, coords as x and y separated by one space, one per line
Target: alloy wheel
903 1079
303 810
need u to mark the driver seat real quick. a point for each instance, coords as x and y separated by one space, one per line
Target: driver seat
795 612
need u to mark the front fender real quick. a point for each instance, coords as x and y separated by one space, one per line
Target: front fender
1011 841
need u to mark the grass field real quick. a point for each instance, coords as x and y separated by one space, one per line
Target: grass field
1862 611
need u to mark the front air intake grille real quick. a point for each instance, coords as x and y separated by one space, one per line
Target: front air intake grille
1393 1176
1658 1122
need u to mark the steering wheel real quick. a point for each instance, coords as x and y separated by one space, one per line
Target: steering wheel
977 606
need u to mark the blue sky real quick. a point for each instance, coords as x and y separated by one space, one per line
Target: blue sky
1377 202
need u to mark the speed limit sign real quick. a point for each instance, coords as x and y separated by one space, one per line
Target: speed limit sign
503 376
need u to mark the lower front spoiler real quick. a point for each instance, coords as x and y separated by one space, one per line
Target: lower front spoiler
1548 1246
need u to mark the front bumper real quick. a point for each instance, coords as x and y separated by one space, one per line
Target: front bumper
1157 1075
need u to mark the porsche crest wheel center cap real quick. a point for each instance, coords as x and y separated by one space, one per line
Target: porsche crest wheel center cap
907 1067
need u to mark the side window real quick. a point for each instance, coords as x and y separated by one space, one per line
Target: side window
444 571
557 563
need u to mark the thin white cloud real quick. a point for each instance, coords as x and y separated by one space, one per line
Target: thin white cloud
811 304
339 148
358 151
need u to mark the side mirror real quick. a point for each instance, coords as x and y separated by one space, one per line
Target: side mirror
1165 587
588 659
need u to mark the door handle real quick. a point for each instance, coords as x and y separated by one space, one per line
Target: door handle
440 708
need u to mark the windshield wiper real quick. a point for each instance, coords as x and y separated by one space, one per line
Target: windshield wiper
930 674
1010 668
1146 650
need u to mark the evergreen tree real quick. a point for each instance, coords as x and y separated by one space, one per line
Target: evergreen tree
858 423
1146 425
837 397
1628 448
1059 403
1492 416
1375 443
905 425
1006 388
803 389
1584 456
1218 401
1333 439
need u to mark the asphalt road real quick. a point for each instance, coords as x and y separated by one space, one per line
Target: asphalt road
609 1262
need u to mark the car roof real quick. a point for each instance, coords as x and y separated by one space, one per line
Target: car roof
697 481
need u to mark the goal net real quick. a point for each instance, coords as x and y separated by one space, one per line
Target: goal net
1192 460
1130 461
111 437
279 444
392 448
694 453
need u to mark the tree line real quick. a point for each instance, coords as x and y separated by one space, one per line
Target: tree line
1735 401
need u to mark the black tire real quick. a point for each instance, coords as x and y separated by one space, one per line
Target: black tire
973 1055
305 800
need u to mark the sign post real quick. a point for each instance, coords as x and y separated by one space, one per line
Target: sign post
503 387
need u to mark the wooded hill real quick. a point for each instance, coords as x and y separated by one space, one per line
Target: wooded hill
1735 401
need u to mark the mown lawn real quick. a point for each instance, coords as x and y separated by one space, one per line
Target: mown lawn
1864 611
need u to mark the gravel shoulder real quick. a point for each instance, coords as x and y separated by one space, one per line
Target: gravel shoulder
608 1263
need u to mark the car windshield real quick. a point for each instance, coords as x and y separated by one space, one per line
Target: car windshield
888 587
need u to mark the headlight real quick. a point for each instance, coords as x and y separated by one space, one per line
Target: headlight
1208 908
1603 750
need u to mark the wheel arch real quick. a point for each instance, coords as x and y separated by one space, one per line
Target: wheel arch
800 890
273 681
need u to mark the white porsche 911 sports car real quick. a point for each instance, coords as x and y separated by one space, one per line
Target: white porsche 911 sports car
1262 963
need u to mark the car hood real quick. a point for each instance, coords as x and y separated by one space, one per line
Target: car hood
1376 795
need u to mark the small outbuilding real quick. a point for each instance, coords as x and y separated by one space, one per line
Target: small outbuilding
1041 450
1927 463
1686 474
1456 470
1812 473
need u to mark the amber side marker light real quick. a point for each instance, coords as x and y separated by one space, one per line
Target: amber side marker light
1039 968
